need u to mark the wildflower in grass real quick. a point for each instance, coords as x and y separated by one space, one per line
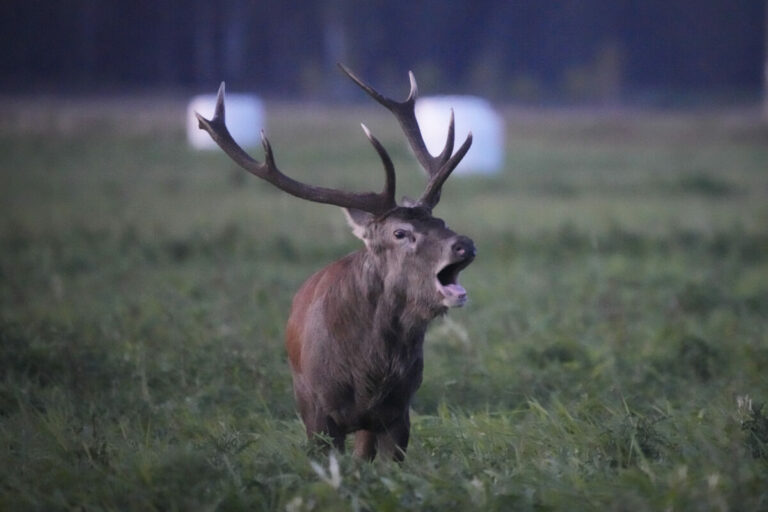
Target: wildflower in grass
743 407
333 476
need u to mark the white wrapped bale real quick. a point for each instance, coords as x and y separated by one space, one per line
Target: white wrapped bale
245 119
486 156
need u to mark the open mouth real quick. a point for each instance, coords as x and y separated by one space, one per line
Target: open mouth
448 282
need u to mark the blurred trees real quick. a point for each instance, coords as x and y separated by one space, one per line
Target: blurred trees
594 50
765 63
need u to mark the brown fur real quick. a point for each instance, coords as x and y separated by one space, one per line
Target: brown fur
355 333
356 329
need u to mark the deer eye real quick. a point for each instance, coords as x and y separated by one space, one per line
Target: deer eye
400 234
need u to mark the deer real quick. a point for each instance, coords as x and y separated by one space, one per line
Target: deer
355 332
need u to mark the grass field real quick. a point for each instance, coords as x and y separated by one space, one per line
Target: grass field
614 354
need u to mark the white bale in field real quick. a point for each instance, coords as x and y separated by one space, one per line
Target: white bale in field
245 119
473 114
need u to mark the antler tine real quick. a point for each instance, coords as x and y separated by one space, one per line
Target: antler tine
389 168
370 202
405 114
431 195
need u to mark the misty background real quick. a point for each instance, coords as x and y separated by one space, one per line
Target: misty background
648 52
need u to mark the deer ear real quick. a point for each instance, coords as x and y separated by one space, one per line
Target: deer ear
358 220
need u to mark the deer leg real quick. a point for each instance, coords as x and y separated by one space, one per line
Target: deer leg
329 429
337 434
320 426
365 444
393 442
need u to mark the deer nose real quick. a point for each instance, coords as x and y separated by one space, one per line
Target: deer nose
463 247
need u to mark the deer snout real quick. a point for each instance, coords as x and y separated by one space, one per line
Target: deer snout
463 247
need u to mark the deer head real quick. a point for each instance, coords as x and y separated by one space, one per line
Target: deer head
355 331
406 241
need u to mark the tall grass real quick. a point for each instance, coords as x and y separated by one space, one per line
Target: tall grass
613 355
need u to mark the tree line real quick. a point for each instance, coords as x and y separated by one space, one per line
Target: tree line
603 50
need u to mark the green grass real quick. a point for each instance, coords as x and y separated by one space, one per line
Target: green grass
614 354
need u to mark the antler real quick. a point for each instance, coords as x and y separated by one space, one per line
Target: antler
370 202
438 167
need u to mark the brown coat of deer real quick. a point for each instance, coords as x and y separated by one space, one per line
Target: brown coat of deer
356 328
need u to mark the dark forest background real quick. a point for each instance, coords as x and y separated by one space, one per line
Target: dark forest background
653 51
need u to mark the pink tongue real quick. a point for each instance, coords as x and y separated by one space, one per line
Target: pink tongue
455 290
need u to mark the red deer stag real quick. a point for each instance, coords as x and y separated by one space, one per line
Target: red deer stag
356 329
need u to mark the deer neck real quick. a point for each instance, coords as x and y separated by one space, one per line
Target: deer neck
395 311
